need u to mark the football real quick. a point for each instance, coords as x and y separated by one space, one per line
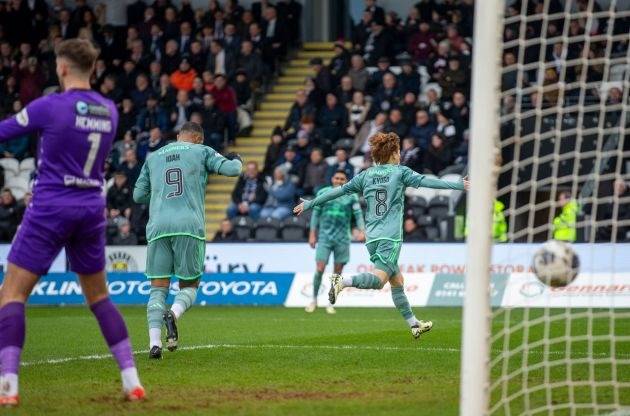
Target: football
556 264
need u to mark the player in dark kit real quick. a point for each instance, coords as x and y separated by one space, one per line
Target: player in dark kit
77 128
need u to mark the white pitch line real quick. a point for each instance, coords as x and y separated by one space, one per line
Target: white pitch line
346 347
248 346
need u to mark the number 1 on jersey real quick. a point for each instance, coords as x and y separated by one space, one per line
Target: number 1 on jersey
95 142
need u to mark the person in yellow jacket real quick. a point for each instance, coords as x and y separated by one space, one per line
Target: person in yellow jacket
565 223
499 224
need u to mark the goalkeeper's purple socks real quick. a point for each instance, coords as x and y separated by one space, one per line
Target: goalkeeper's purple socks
115 332
12 332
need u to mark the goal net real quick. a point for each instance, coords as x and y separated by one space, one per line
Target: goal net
563 126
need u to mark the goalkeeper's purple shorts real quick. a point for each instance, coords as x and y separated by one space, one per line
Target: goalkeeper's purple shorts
45 230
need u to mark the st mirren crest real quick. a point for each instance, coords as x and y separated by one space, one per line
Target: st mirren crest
121 261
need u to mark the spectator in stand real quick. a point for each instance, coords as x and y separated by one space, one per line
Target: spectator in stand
167 95
225 99
376 79
315 175
358 110
274 151
316 97
340 62
185 37
226 233
409 78
388 95
197 93
131 167
378 13
282 194
410 155
341 163
292 165
422 44
378 43
431 103
182 111
125 236
409 107
370 128
183 78
152 116
396 124
453 78
141 93
8 215
448 130
171 57
249 194
303 145
213 123
126 117
439 62
358 73
361 31
30 78
275 45
121 146
231 40
323 78
459 112
344 91
423 130
197 57
242 89
251 62
332 119
154 142
119 199
300 108
413 232
438 157
155 72
220 61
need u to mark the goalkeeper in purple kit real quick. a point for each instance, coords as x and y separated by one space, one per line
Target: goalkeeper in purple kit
77 128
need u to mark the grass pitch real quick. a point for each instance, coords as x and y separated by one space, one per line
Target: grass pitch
244 361
278 361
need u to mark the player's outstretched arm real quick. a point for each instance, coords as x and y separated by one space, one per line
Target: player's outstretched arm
142 190
417 180
32 118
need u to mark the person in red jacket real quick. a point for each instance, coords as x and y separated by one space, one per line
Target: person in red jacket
225 101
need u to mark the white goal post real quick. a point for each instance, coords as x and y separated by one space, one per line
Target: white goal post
550 123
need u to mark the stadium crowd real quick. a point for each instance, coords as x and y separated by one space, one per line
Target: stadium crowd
171 64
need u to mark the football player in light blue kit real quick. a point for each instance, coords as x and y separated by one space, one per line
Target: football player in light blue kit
383 187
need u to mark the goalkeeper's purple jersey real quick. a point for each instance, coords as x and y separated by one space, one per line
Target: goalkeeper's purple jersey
77 128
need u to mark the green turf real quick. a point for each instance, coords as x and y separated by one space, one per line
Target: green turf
359 361
277 361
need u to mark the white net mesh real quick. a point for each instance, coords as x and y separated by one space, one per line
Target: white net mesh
564 128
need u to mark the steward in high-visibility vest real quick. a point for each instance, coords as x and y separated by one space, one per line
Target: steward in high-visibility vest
499 224
565 224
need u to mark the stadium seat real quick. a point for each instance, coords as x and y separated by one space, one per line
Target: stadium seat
293 229
10 165
267 229
345 144
27 165
417 201
357 163
424 220
330 160
433 232
17 182
243 227
416 211
439 206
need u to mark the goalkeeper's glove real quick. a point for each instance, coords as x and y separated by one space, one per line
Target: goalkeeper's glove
232 156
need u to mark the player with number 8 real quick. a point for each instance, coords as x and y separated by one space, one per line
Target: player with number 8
383 186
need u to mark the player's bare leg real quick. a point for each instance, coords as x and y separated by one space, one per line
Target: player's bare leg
156 307
366 280
16 288
320 266
184 300
401 302
114 331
